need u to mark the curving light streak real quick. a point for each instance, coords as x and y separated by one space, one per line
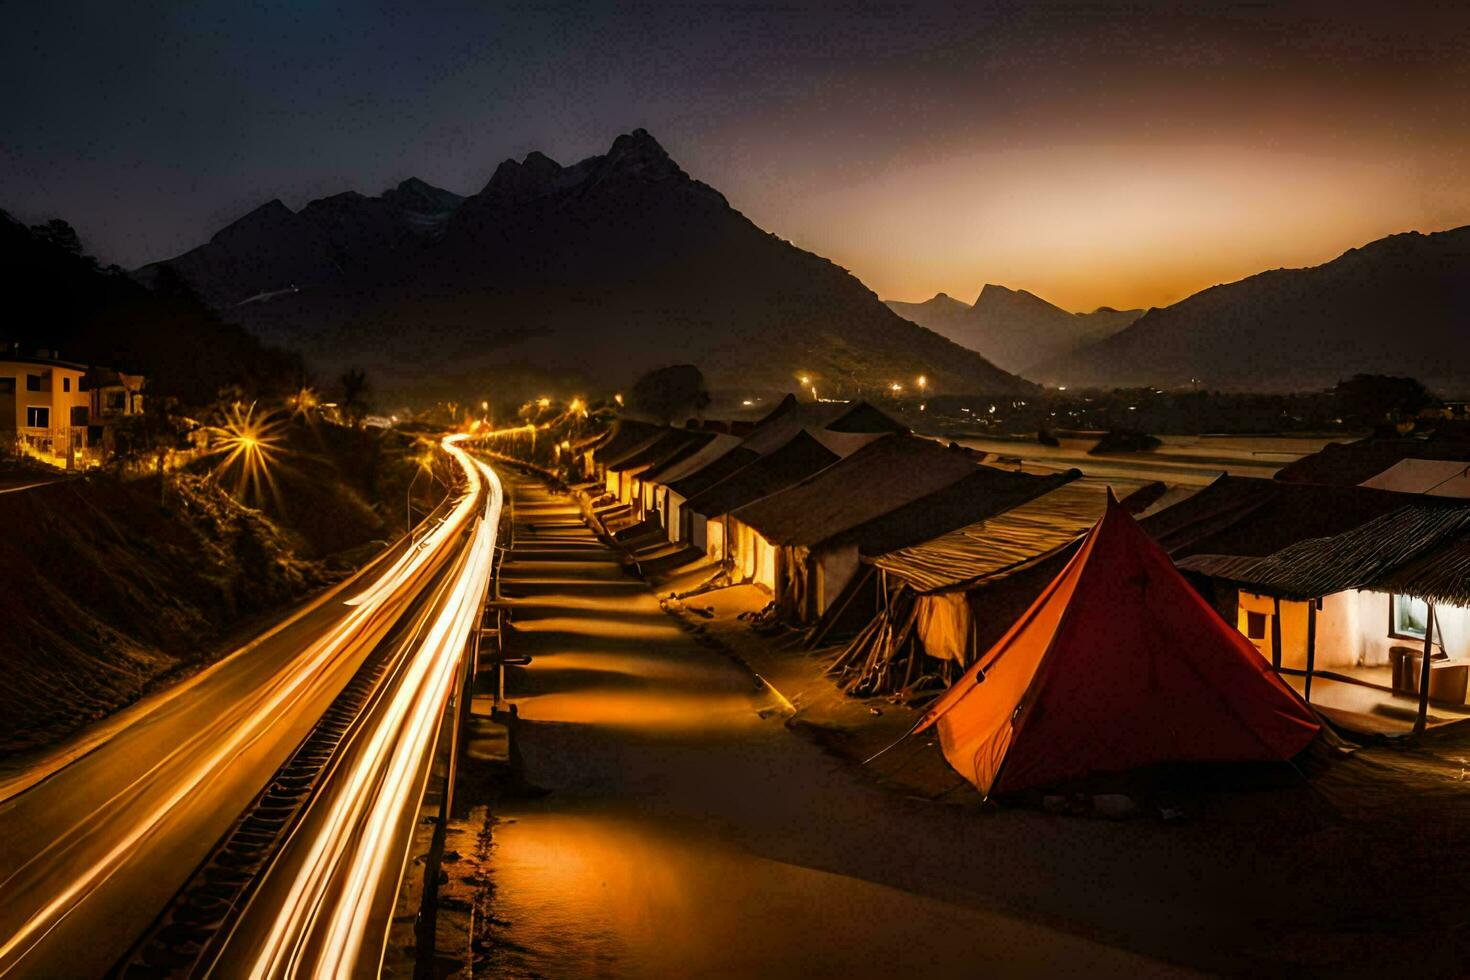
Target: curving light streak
321 925
219 747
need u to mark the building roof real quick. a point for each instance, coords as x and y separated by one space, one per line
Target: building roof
984 493
1402 549
880 477
791 416
1249 516
713 472
1001 544
672 469
673 445
628 435
42 361
1352 463
799 458
1435 477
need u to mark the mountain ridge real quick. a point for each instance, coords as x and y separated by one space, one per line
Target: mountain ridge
1394 305
1013 328
595 272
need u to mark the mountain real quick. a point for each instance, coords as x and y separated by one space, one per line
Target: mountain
943 314
565 276
1014 329
58 299
1399 305
343 238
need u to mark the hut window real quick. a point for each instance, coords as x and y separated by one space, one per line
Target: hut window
1255 625
1409 617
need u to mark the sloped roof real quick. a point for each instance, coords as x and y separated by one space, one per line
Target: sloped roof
672 469
1001 544
882 476
1435 477
1366 556
791 416
674 444
984 493
1353 463
1249 516
628 435
799 458
713 472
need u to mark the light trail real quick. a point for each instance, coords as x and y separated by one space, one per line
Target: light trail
321 926
219 746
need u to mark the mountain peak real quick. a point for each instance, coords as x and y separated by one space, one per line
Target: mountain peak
421 196
639 154
271 214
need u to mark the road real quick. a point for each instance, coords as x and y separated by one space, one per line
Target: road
96 849
688 832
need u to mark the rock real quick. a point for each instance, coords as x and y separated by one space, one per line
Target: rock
1114 806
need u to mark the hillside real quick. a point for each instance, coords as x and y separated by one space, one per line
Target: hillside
1399 306
556 276
59 299
1013 328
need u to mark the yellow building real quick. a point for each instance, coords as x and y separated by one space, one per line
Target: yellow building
43 407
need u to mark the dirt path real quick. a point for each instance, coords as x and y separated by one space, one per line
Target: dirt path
688 832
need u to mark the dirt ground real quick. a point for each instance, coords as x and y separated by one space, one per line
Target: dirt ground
699 820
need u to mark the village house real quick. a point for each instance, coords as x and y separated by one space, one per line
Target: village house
63 411
44 408
1343 589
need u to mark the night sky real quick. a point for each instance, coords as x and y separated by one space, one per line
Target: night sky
1119 154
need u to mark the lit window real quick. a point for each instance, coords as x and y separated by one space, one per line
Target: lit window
1410 617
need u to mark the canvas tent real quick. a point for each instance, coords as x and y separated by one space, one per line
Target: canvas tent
792 526
839 427
798 458
1118 665
936 605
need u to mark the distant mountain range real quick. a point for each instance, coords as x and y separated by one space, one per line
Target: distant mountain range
1399 305
1012 328
567 276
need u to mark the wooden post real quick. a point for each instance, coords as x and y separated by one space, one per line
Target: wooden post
1423 718
1276 633
1311 645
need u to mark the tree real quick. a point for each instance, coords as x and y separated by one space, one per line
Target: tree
59 233
1374 399
670 393
355 388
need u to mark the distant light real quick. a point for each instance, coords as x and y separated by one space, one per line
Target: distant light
896 386
804 380
484 406
1132 408
1061 387
922 407
923 381
747 402
618 399
992 409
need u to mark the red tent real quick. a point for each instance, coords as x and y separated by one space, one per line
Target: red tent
1118 664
